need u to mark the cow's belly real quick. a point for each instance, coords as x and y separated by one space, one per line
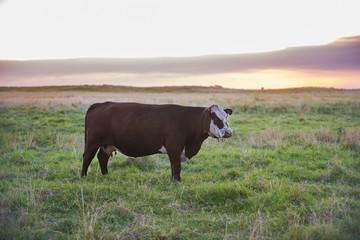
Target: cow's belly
138 147
137 152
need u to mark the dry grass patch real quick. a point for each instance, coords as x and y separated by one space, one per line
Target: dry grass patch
351 138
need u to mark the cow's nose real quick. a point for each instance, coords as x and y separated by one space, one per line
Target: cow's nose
228 133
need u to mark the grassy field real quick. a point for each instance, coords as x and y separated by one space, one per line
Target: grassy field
291 170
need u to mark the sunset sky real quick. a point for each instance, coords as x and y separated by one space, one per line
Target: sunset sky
238 44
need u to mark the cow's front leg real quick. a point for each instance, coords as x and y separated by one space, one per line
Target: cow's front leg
174 153
175 170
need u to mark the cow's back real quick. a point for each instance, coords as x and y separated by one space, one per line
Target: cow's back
118 117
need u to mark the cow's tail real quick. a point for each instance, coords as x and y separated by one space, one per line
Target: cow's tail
92 107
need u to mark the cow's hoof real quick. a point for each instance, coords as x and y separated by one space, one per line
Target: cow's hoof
177 179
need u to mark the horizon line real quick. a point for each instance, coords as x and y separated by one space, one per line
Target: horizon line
183 86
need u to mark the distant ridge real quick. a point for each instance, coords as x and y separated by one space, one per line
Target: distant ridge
335 64
340 55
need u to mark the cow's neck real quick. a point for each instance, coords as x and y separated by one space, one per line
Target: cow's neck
200 132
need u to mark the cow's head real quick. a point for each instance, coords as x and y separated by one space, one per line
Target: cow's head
218 126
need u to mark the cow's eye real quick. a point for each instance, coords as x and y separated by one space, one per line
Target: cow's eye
218 123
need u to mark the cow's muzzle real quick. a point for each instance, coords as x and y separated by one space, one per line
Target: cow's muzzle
228 133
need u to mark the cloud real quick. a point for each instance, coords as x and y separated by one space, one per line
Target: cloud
341 55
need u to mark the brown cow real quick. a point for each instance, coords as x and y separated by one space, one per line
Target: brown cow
141 129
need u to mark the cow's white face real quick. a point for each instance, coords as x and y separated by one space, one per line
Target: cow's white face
218 125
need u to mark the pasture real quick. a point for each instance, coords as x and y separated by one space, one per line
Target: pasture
290 171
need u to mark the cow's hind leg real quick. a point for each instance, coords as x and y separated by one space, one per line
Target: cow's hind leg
103 160
88 156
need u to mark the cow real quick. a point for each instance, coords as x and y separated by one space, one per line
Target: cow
138 130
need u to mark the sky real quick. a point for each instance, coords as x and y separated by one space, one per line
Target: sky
257 38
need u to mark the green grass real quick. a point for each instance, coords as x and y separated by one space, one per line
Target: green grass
289 172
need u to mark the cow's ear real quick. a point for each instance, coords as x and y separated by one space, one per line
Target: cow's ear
229 111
